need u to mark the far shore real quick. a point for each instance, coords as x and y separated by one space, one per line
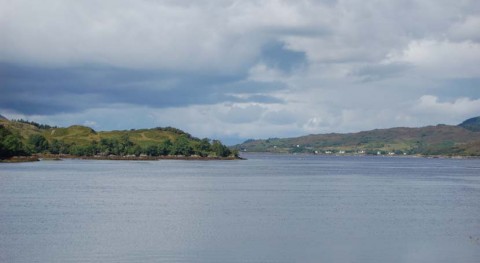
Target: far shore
374 155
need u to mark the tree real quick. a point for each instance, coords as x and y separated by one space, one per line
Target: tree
121 146
38 143
165 148
152 150
106 146
59 147
84 150
125 144
203 147
11 145
182 146
220 150
135 150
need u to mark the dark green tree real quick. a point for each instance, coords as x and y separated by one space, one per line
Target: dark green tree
84 150
125 145
182 146
220 150
203 147
11 145
38 143
135 150
152 150
106 146
59 147
165 148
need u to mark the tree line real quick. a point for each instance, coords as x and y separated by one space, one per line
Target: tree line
38 125
11 145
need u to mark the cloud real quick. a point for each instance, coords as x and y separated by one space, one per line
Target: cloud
91 124
443 59
466 29
242 113
462 106
373 72
240 69
32 90
215 36
281 117
277 56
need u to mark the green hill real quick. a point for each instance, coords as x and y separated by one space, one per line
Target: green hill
23 138
462 140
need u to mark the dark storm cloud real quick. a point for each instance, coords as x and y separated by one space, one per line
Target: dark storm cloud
34 90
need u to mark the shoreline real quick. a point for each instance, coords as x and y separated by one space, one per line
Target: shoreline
20 159
138 158
59 157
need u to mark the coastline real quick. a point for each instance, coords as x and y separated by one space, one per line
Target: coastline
59 157
20 159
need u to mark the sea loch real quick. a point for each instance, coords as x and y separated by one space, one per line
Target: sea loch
269 208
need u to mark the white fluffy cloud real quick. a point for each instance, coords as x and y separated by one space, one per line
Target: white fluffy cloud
184 35
218 34
442 59
463 106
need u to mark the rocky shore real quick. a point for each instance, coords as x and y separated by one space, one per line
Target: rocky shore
57 157
20 159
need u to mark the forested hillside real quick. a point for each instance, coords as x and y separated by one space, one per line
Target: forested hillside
20 138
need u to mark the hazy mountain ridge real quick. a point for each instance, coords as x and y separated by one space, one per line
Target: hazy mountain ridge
461 140
472 124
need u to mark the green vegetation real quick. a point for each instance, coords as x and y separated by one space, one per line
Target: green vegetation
23 138
10 144
38 125
446 140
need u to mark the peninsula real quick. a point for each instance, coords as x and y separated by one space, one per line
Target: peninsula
25 140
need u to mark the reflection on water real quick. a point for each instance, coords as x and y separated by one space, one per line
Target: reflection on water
269 208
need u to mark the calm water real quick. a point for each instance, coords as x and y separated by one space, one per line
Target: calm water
266 209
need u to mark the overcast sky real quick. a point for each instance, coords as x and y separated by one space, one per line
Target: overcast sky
234 70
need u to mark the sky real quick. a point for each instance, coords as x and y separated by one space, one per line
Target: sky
235 70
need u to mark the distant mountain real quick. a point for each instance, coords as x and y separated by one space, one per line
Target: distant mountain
461 140
23 137
472 124
2 118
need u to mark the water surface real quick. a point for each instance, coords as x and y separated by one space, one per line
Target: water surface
269 208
